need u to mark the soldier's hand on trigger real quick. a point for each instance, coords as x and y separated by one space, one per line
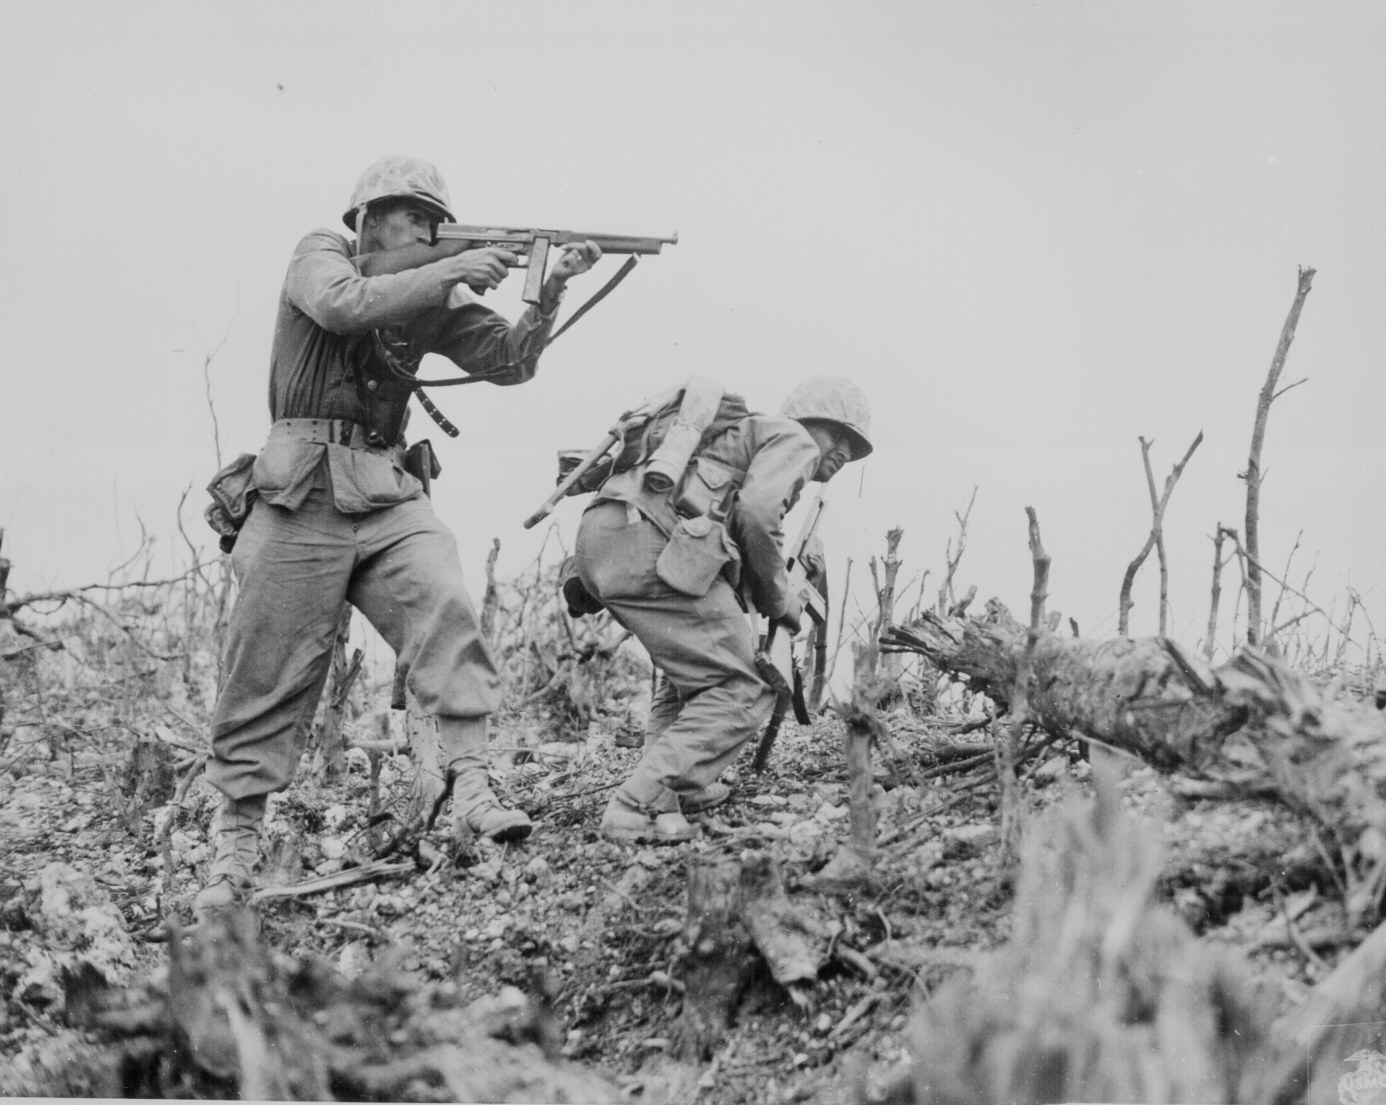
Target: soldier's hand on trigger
577 258
481 269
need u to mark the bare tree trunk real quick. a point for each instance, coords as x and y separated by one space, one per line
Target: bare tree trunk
491 599
946 597
885 613
1216 597
1156 540
1009 750
1253 474
861 728
818 576
4 579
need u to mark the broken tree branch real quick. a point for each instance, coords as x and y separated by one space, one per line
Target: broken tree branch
1156 539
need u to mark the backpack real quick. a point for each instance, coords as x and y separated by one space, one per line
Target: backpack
681 425
641 432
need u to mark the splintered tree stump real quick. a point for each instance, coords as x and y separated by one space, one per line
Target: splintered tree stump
716 962
1252 722
739 915
148 781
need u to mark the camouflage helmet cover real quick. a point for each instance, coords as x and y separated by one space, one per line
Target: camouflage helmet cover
400 176
833 399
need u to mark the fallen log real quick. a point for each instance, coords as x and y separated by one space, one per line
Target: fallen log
1252 723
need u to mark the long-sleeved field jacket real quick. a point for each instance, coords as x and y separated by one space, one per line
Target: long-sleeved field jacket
327 366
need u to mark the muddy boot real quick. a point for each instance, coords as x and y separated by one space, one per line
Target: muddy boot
474 804
624 822
237 842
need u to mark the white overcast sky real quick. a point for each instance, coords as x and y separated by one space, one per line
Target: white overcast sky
1032 232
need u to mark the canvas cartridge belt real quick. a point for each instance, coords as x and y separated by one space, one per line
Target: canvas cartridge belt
329 431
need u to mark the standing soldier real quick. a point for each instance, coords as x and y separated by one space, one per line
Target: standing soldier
682 585
339 520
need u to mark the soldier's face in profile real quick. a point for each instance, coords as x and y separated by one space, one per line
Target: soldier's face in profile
834 448
395 223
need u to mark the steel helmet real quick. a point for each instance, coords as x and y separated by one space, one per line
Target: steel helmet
400 176
833 399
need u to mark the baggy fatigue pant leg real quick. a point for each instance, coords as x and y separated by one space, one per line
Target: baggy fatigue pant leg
409 586
398 566
292 568
664 709
704 645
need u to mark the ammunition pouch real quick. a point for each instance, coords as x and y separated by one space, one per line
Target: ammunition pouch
233 493
699 550
421 462
708 490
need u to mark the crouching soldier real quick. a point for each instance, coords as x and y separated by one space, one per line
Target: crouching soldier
679 568
338 519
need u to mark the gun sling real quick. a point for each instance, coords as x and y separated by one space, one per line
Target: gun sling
451 381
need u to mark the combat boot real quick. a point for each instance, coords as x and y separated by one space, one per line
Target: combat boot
624 822
474 804
237 850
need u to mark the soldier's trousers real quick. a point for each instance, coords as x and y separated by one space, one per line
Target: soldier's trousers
704 645
398 566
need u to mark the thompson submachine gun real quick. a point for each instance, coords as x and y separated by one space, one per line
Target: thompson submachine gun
531 243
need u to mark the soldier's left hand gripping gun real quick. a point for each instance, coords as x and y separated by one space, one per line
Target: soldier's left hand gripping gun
450 239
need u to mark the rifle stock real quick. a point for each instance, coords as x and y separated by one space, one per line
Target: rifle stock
530 243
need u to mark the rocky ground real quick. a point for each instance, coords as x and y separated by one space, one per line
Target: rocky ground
590 933
559 969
